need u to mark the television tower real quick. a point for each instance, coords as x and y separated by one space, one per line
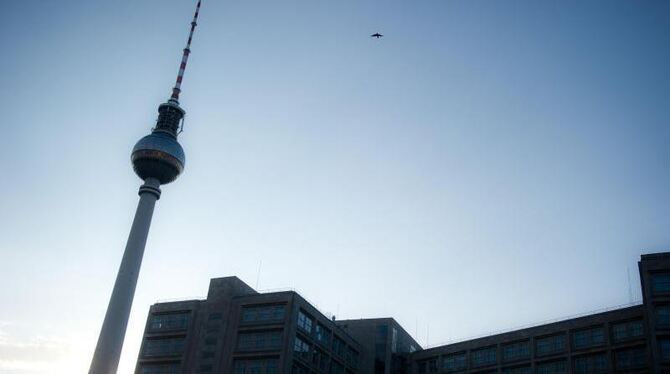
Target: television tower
157 159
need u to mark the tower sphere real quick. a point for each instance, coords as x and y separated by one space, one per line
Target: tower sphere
159 156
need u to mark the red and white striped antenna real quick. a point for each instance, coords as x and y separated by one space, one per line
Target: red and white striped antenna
187 51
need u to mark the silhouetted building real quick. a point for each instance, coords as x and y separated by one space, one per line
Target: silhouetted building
238 330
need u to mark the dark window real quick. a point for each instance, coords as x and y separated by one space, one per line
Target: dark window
662 314
159 369
215 316
453 362
550 345
320 360
483 357
664 346
432 366
592 337
299 369
256 366
591 364
172 321
207 354
163 347
627 330
338 346
351 357
305 322
206 368
554 367
660 283
210 340
259 340
630 358
322 335
518 370
516 351
336 368
382 332
301 349
263 314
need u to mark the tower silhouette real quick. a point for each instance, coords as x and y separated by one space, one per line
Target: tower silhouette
157 159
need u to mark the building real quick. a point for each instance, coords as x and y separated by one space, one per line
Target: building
238 330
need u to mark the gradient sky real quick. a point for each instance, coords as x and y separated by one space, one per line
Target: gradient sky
483 166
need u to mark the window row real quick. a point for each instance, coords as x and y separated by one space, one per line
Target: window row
159 369
259 340
319 358
171 321
623 360
263 314
163 347
335 368
256 366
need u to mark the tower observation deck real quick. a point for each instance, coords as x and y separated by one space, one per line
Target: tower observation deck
157 159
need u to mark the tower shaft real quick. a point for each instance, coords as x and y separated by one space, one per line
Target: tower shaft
108 350
157 158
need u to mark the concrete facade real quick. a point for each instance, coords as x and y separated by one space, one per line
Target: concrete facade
238 330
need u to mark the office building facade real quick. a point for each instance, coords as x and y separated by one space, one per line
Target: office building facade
238 330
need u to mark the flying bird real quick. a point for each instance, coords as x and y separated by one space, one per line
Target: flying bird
376 35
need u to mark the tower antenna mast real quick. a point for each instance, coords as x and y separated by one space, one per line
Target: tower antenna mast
157 159
184 59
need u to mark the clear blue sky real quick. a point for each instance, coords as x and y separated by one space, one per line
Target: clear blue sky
484 165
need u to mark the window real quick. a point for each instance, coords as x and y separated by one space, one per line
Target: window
259 340
338 346
664 346
662 314
630 358
554 367
207 354
432 366
351 357
320 360
215 316
299 369
591 364
163 347
263 314
660 283
592 337
550 345
354 358
159 369
516 351
305 322
172 321
627 330
301 349
206 368
518 370
483 357
336 368
210 340
394 340
322 335
453 362
382 332
256 366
